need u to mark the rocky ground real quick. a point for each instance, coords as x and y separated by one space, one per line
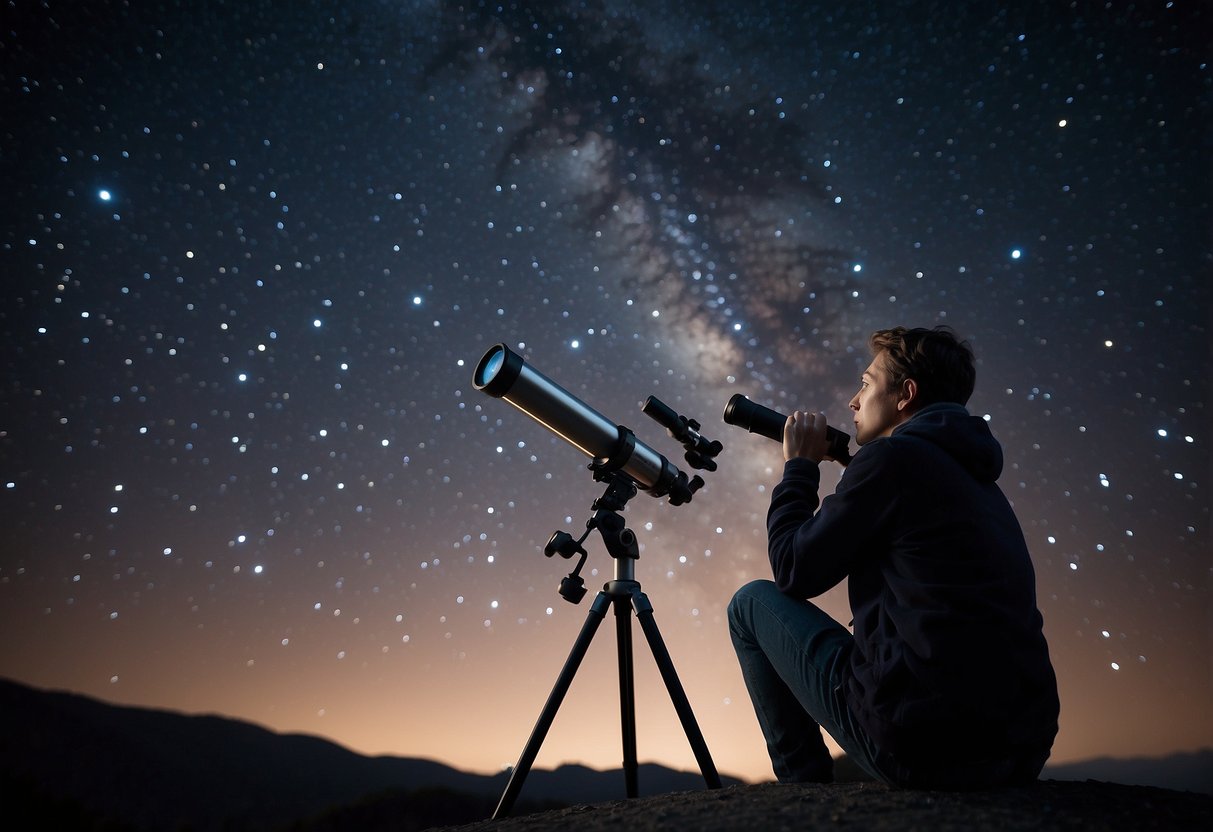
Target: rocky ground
1046 805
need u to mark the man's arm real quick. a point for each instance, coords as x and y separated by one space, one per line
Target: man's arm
812 552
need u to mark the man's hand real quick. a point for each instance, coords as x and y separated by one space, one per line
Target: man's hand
804 436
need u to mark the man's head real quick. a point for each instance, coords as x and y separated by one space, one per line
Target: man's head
910 369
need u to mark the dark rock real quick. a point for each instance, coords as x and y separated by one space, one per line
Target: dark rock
1046 805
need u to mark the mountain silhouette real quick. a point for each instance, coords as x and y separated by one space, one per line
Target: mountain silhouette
1190 771
69 761
69 756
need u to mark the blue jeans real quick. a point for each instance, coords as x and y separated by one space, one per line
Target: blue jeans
793 656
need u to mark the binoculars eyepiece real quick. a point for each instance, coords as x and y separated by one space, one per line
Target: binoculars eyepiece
743 413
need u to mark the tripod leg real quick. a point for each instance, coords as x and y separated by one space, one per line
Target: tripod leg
644 613
523 767
627 695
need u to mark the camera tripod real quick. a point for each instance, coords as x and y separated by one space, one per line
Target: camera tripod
625 595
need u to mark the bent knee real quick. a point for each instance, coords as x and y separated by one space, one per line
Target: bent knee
747 594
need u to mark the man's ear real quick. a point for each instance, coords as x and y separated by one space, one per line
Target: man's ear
908 395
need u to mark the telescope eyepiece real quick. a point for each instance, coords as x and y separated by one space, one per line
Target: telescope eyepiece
700 451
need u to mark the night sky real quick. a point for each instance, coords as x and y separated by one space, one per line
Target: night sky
252 252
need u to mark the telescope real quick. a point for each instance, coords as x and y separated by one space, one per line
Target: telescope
627 465
503 374
763 421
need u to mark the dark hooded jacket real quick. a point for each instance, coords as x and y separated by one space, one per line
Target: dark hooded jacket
949 666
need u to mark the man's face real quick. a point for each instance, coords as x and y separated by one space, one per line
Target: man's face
878 406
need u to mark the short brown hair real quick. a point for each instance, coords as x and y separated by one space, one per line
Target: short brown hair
940 363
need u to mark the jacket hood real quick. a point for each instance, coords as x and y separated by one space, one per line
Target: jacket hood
965 437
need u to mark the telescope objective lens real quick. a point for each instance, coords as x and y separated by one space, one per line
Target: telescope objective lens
489 367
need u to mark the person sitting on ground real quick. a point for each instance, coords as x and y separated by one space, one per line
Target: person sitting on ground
946 681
